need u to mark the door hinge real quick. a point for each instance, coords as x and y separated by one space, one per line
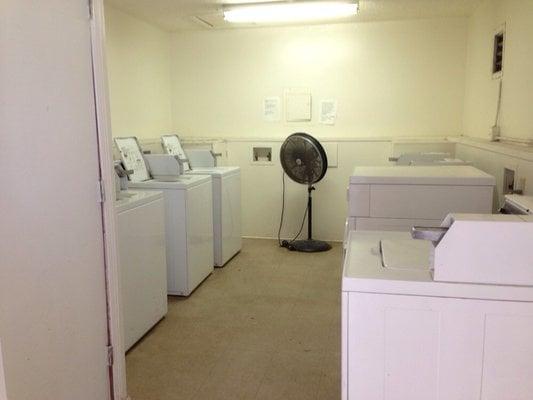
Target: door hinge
100 189
110 356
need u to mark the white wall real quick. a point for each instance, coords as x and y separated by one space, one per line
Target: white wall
391 79
138 62
494 157
481 90
403 78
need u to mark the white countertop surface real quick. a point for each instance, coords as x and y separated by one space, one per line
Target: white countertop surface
434 175
183 182
133 198
214 171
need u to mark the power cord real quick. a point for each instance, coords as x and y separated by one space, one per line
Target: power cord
282 208
286 243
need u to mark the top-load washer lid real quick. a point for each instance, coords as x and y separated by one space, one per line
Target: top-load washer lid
422 175
204 158
135 198
172 145
132 157
182 183
408 254
215 171
364 271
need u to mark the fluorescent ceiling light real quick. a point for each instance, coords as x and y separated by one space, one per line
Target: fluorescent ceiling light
279 12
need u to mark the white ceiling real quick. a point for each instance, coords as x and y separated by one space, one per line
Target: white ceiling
175 15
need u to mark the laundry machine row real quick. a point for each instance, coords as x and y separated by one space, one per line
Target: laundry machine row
188 217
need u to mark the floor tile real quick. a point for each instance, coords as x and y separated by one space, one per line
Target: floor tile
291 376
266 326
237 375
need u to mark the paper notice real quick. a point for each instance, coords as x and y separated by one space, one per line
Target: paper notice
272 109
328 112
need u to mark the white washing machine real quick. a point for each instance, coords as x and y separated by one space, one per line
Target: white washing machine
143 268
226 196
189 230
226 211
188 215
398 197
449 321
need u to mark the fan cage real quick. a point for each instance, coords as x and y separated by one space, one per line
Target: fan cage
303 158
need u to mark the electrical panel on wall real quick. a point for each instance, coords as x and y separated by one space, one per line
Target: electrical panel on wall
498 53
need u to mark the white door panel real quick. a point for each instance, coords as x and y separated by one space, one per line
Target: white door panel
53 321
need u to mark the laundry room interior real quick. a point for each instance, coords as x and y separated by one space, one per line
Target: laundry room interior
405 84
297 199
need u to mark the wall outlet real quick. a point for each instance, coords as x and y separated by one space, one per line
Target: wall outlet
508 181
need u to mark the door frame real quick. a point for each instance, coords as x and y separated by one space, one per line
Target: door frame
3 391
117 356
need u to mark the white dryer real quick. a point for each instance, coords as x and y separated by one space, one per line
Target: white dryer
226 196
451 322
143 268
189 219
398 197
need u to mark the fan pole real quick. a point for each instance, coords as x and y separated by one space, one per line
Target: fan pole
310 188
310 245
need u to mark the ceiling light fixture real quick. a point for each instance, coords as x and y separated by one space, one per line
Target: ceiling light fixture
283 12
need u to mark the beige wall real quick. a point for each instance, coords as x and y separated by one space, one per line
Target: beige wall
401 78
138 62
493 158
423 78
481 90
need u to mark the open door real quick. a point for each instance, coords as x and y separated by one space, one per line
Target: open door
54 327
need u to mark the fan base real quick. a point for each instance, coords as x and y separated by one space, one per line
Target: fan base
309 246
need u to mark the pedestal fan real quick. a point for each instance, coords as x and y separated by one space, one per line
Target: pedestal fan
304 160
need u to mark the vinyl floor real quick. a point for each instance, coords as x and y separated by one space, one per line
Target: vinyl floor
264 327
